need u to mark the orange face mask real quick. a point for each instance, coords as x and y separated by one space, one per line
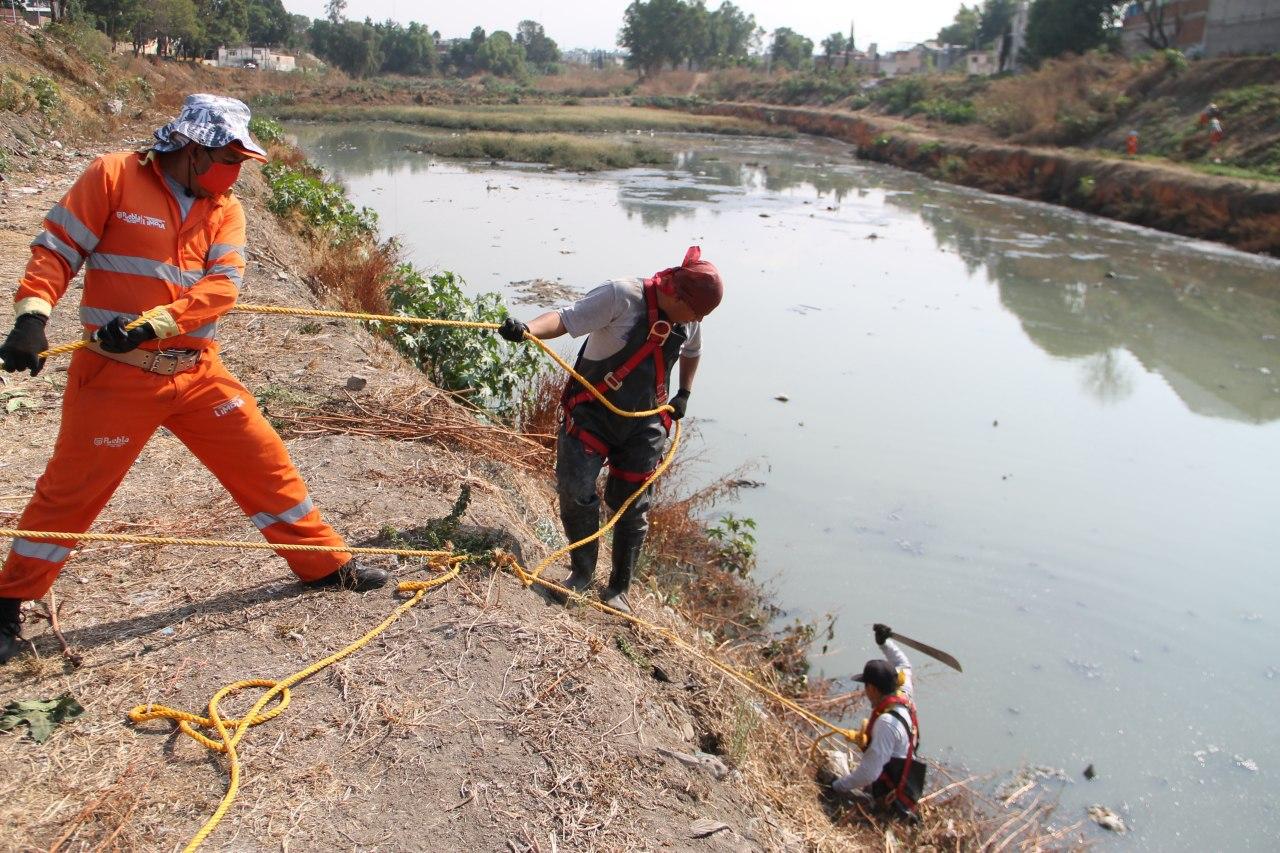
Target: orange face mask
218 178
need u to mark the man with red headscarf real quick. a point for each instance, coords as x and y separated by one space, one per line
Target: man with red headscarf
636 331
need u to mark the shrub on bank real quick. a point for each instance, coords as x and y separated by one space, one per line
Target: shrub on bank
320 207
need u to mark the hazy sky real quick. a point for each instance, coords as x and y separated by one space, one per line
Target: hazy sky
883 21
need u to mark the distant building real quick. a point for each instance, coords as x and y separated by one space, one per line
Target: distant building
254 57
981 63
1204 27
36 12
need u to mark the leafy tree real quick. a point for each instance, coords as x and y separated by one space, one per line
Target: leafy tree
791 49
834 45
168 22
335 11
354 47
995 20
501 55
964 28
462 55
409 50
732 34
296 38
1055 27
113 17
652 32
267 23
539 49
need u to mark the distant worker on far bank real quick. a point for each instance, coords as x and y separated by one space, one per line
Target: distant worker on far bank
636 331
1209 114
1215 131
161 238
1131 143
890 774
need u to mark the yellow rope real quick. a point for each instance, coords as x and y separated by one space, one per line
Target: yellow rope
230 731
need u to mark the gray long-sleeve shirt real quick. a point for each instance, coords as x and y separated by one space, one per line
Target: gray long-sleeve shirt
889 735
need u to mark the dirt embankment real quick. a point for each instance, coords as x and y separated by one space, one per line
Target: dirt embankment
1244 214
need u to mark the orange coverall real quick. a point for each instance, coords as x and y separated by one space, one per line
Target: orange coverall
121 222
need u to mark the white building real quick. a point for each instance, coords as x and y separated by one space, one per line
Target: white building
981 63
254 57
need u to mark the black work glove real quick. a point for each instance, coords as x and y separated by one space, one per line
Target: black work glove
21 350
883 632
679 402
113 338
513 330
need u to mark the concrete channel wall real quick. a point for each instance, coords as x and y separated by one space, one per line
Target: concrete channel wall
1239 213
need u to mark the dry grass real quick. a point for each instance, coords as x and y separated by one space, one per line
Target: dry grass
355 274
425 414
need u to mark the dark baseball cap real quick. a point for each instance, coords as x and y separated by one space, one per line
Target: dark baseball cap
880 674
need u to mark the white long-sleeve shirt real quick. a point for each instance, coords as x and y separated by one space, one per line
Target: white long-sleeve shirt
889 736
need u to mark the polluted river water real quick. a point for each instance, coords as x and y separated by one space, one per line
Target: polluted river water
1044 442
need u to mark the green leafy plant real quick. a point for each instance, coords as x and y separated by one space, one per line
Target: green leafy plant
735 542
40 716
489 371
266 129
952 112
321 206
46 93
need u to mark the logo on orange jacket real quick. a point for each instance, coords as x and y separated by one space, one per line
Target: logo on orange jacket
114 443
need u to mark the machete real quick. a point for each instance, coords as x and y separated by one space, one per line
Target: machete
936 654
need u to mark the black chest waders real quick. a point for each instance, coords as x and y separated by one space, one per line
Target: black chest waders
633 379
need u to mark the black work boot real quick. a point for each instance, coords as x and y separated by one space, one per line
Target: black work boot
626 551
10 629
355 576
579 523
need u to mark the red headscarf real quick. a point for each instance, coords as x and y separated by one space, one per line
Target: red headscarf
695 282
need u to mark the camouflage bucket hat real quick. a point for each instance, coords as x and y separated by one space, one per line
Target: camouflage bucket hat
212 121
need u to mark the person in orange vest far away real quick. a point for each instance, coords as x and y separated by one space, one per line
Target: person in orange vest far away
1215 131
161 237
890 774
637 329
1131 143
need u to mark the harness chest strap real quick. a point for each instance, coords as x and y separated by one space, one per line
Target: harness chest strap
659 331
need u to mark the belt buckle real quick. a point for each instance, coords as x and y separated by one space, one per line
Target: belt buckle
612 381
661 336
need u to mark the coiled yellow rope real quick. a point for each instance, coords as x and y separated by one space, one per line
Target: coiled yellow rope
230 731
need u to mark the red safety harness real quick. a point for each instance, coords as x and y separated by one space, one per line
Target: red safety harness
659 331
898 787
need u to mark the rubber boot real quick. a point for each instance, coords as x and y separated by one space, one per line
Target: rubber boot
10 629
626 552
579 523
354 576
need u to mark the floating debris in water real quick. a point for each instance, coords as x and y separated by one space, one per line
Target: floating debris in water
1246 763
1088 670
1107 819
782 398
1090 773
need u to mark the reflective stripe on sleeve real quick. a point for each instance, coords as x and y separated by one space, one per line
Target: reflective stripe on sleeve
75 229
47 551
50 241
221 250
131 265
230 271
289 516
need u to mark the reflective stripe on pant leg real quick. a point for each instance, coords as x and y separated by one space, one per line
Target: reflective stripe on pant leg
109 410
219 421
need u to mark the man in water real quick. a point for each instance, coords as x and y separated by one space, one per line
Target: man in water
161 238
636 331
889 773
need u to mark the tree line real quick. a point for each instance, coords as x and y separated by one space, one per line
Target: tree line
196 28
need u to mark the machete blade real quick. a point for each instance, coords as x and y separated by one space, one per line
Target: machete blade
936 654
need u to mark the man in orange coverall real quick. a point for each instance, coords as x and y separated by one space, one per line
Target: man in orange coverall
160 236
